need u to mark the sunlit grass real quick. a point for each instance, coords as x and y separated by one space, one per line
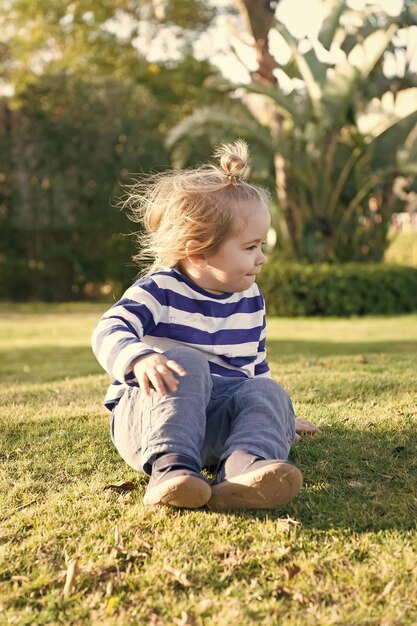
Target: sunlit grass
402 248
344 552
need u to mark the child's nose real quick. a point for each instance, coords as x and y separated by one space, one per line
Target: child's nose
261 258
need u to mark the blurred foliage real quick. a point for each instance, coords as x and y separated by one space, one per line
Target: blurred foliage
87 37
344 140
402 248
87 111
82 121
338 290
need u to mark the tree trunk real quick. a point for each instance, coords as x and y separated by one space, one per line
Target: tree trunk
259 16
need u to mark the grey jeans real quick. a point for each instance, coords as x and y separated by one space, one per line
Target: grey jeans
206 418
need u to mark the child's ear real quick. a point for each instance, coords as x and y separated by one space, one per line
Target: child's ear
194 257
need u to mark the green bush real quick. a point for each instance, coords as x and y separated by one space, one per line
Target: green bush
338 290
68 143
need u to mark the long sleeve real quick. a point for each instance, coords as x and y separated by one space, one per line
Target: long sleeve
166 310
117 338
261 364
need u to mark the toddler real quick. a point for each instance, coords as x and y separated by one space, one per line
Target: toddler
185 346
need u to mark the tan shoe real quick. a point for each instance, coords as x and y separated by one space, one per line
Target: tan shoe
254 483
176 481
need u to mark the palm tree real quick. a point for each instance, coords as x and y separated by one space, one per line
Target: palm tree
341 143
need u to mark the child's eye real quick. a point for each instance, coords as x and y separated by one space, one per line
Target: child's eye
254 247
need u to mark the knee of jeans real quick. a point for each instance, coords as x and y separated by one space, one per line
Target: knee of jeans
270 390
192 360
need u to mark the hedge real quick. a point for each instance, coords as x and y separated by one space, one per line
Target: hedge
338 290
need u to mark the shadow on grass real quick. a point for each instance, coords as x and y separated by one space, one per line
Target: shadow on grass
354 480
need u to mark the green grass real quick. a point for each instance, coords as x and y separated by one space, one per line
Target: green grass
344 552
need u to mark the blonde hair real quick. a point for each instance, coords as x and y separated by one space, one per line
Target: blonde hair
198 205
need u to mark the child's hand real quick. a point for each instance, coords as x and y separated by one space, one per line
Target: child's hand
156 371
304 426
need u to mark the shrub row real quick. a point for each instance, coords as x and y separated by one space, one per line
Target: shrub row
338 290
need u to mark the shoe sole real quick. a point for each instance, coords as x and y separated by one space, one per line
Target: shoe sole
267 487
188 492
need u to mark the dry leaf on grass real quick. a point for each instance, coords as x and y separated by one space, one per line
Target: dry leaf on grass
121 549
386 476
285 523
19 578
281 592
23 506
72 571
361 358
179 577
154 619
133 554
127 485
205 605
301 598
291 570
355 484
186 619
386 589
102 573
109 588
286 592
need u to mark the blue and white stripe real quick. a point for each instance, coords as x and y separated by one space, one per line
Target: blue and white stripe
165 310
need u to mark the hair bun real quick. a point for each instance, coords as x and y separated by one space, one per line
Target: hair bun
234 158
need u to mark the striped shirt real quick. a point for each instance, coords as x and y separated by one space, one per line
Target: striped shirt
165 310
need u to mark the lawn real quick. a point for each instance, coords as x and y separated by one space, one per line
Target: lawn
344 552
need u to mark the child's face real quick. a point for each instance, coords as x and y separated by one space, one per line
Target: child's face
239 259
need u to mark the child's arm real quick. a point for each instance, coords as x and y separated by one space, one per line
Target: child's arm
261 364
117 338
